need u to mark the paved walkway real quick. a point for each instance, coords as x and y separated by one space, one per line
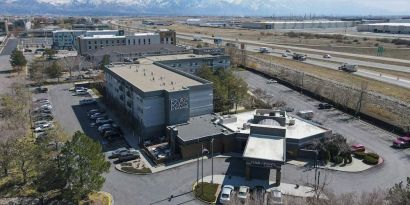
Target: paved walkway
356 165
287 189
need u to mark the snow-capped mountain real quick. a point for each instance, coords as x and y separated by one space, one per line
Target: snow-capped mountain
204 7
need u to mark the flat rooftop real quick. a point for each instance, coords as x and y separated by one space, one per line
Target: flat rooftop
265 147
301 129
179 57
389 24
199 127
293 22
145 34
149 77
101 37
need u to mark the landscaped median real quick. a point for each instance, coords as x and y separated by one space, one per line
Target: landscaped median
100 198
206 192
133 167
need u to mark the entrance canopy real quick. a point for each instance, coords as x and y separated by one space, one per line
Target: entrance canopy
266 143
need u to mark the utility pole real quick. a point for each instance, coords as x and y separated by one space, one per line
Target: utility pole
202 172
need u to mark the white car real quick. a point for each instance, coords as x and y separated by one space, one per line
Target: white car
327 56
81 92
41 122
226 194
277 197
270 81
243 193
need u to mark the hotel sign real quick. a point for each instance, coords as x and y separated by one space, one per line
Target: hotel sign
262 164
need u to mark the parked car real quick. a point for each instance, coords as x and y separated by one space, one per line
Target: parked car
111 134
324 106
97 115
81 92
243 193
104 129
327 56
42 100
87 101
226 194
305 114
41 122
277 197
114 152
123 153
103 121
94 111
126 158
357 148
284 55
47 117
41 89
28 50
288 51
402 142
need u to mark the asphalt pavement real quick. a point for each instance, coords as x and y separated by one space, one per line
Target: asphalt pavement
394 169
9 47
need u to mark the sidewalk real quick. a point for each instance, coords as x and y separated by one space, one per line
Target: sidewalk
356 165
286 189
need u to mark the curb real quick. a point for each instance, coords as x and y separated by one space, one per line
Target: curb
117 168
207 202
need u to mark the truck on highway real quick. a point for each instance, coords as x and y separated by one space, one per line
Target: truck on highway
299 57
348 67
263 50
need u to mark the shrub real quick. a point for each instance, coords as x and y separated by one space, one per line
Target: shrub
337 159
359 155
327 156
374 155
134 170
370 160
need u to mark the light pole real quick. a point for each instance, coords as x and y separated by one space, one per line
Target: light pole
212 161
204 151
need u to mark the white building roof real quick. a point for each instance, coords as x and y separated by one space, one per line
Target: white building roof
389 24
102 37
301 129
265 147
145 34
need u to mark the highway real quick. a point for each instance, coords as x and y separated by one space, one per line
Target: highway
334 63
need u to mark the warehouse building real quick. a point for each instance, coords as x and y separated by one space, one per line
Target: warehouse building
298 24
153 94
394 28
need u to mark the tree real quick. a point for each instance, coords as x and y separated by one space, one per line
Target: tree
399 194
82 166
105 61
49 53
36 71
54 71
6 156
17 60
27 156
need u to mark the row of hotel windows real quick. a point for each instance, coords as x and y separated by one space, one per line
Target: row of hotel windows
123 41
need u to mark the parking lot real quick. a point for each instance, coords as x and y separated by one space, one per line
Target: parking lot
72 116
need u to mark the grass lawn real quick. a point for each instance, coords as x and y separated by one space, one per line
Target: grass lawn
209 194
144 170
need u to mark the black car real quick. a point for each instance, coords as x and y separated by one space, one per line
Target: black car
323 106
94 111
112 129
126 158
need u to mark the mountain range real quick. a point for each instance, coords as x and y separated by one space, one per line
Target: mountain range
205 7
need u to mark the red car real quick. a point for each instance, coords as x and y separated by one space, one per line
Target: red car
357 148
402 142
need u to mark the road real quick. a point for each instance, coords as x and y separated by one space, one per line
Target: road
334 63
9 47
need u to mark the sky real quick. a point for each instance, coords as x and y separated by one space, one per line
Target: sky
280 7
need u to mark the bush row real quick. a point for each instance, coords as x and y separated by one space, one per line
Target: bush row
368 158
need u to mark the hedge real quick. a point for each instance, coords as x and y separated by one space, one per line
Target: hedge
359 155
374 155
144 170
370 160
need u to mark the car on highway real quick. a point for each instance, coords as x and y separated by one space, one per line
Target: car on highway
402 142
324 106
327 56
88 101
243 193
226 194
270 81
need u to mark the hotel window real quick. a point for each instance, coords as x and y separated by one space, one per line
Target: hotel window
149 41
144 41
139 41
133 41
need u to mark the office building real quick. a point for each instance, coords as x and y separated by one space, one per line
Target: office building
66 39
154 94
90 27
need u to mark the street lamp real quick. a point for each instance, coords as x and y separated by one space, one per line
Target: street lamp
204 152
212 161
